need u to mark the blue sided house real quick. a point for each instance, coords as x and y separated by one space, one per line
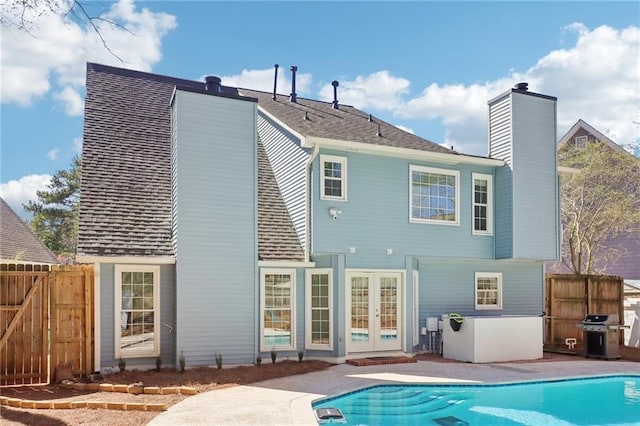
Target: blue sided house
234 221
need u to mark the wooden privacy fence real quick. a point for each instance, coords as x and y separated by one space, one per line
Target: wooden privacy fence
46 319
570 298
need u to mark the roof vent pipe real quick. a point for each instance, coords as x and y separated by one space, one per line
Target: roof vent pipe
370 118
378 133
212 84
293 97
335 84
522 86
275 81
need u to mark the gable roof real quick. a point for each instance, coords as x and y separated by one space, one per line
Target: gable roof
18 243
125 207
582 128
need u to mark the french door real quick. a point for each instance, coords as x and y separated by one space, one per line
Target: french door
374 311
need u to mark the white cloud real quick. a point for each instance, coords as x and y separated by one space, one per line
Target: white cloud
53 154
379 90
54 52
18 192
596 80
263 80
405 128
71 101
77 145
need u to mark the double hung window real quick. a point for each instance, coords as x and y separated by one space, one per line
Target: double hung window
319 330
482 204
278 309
488 290
137 295
333 179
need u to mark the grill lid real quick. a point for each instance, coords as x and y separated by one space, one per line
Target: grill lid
601 319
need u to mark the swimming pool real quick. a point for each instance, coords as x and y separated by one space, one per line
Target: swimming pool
608 400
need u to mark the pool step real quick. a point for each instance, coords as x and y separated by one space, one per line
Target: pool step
407 407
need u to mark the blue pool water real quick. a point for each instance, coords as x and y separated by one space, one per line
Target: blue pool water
284 339
611 400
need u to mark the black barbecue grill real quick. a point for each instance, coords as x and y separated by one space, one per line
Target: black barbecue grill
601 336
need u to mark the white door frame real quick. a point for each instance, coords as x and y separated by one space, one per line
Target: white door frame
374 344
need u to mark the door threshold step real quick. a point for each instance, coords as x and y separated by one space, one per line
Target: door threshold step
381 360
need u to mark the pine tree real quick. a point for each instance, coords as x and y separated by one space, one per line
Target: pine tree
55 213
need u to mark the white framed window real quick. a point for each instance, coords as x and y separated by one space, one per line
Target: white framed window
482 204
137 311
434 195
319 303
488 290
333 177
581 141
277 303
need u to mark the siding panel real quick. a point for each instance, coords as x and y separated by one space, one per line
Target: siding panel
535 216
447 287
376 216
500 147
216 230
288 161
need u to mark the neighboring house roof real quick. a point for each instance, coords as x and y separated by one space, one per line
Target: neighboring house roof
18 243
125 207
582 128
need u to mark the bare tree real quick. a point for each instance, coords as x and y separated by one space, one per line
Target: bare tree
599 202
24 15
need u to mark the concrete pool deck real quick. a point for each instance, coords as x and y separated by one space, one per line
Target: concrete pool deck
287 400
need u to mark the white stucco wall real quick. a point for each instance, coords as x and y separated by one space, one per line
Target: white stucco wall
494 339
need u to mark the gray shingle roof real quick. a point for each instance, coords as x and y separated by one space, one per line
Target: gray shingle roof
125 207
125 201
17 242
345 123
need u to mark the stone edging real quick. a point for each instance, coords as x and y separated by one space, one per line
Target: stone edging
103 387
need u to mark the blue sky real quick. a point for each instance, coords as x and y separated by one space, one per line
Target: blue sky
428 67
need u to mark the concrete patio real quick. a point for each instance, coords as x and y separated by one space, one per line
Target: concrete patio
287 400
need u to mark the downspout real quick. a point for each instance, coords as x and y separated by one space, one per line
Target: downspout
312 157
